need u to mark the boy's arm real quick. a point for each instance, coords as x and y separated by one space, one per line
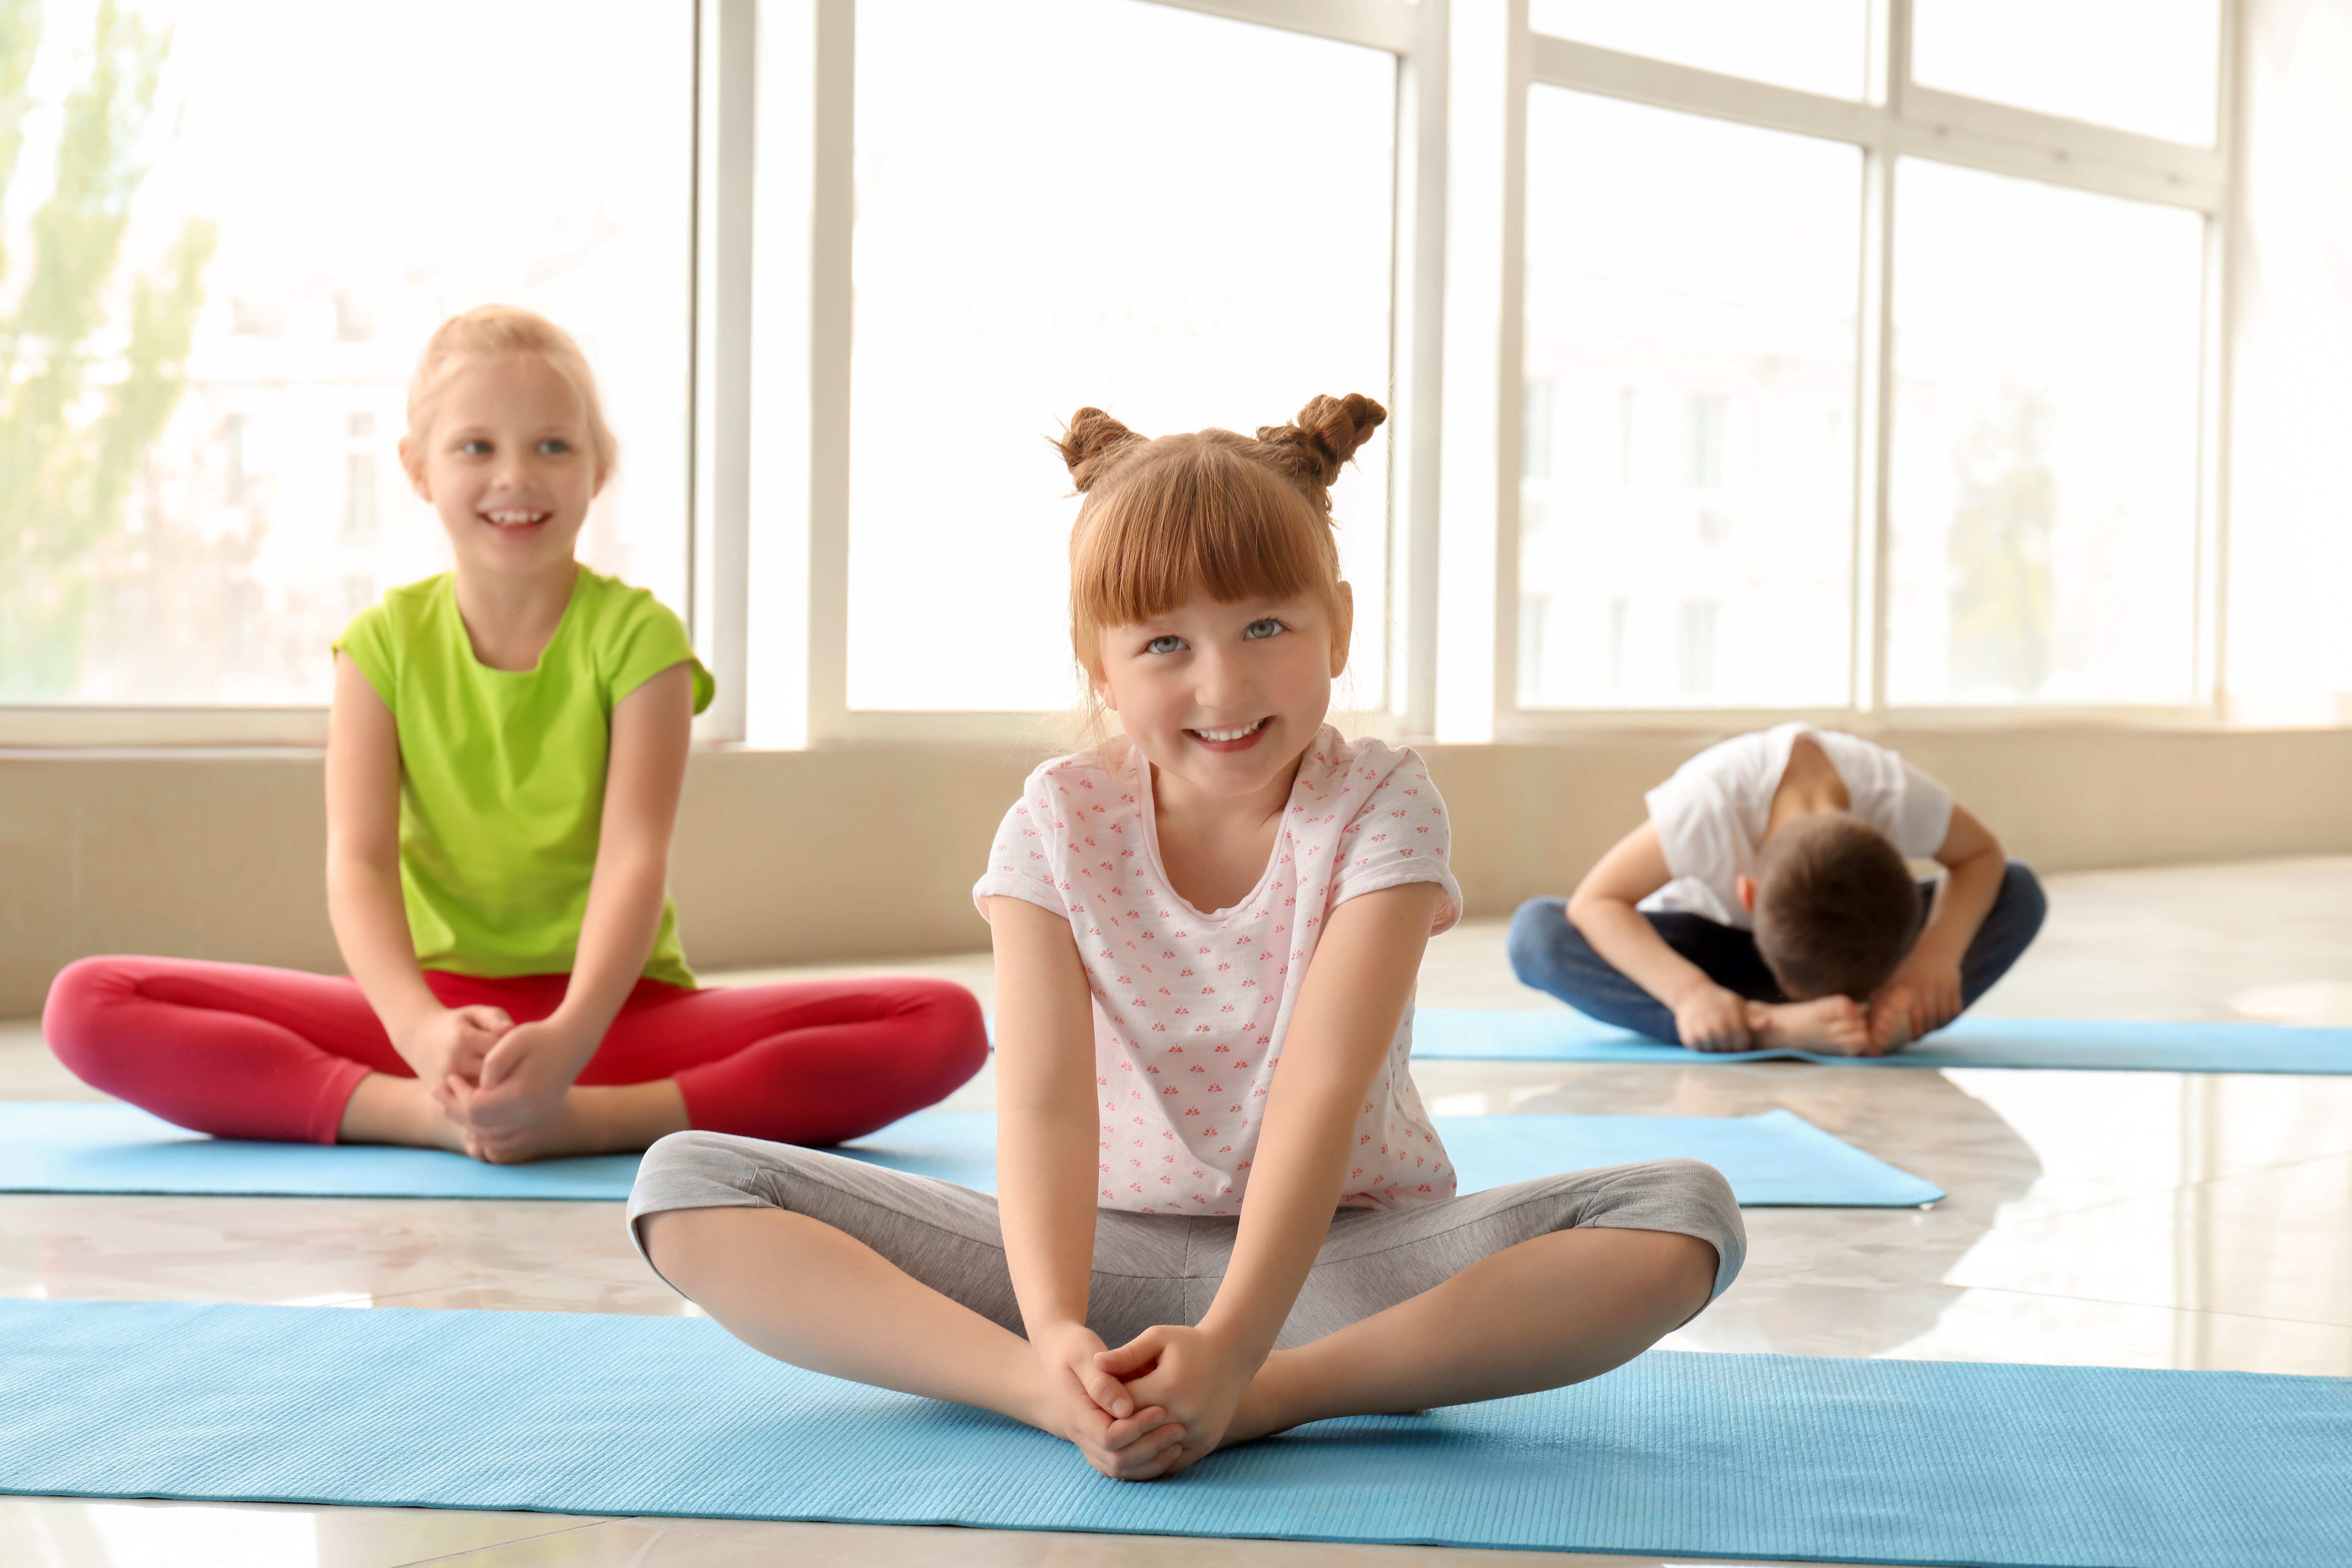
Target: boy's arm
1047 1157
1354 995
1924 991
652 727
365 903
1707 1017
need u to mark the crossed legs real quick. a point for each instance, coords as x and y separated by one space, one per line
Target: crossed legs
899 1282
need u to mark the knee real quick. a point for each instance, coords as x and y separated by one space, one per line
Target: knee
1696 1185
947 1030
1701 1197
688 1155
2022 900
73 1020
1536 929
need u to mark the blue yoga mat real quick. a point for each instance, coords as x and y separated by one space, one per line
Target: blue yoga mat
1776 1158
2102 1044
1731 1455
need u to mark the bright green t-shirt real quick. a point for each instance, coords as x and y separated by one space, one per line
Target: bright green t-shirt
502 772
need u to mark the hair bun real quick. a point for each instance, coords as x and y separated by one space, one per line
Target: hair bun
1091 443
1326 434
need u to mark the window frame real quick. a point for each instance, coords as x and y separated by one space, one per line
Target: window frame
1896 119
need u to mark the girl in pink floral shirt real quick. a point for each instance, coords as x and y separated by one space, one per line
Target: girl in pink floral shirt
1221 1209
1188 1004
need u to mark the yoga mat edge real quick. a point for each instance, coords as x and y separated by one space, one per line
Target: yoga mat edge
2074 1045
1775 1159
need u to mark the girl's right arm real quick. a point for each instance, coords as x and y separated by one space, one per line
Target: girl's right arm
1707 1017
363 895
1047 1157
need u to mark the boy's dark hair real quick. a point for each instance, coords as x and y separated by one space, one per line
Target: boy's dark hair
1836 906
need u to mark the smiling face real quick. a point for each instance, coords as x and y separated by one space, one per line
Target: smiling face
1225 698
510 466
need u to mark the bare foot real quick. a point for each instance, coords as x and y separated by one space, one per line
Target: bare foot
614 1118
388 1109
1890 1020
1263 1408
1833 1025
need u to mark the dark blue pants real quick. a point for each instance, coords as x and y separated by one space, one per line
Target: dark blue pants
1553 955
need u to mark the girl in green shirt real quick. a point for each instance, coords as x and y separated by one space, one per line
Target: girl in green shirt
504 761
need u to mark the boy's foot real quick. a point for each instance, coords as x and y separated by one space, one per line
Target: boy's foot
1890 1020
1832 1025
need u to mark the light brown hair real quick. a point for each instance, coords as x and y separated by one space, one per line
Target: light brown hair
1836 909
503 332
1209 512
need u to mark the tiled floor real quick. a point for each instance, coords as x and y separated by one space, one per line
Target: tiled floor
2142 1219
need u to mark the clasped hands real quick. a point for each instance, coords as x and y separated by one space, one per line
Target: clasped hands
1922 996
496 1078
1148 1408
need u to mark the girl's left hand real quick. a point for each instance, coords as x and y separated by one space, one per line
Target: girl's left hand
523 1081
1195 1376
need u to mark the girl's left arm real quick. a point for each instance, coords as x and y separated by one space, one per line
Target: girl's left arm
1355 994
651 729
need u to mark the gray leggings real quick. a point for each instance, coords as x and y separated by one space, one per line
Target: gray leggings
1165 1268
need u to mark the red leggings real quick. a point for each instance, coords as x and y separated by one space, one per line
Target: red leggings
239 1051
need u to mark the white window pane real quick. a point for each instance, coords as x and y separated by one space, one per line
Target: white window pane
1819 46
1182 219
1686 513
2149 66
2290 656
365 177
2045 444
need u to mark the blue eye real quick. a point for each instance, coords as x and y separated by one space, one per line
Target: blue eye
474 447
1258 631
554 446
1164 645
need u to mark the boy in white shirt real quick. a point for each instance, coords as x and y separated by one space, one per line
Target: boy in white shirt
1766 903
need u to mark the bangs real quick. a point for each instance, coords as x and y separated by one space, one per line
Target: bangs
1192 516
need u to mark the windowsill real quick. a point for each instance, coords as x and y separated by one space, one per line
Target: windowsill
26 731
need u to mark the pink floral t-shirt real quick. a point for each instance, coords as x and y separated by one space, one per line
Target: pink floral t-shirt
1191 1008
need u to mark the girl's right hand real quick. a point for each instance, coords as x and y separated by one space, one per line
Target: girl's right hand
1094 1410
451 1043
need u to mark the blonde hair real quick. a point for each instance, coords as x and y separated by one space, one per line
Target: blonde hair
504 331
1210 511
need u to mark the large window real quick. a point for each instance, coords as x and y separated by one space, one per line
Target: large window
1977 300
1881 360
228 233
1062 203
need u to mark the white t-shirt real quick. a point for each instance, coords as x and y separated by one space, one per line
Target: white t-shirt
1710 816
1191 1008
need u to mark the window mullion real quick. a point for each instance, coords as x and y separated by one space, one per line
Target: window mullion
1485 264
1417 353
1875 370
2225 240
832 214
725 81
